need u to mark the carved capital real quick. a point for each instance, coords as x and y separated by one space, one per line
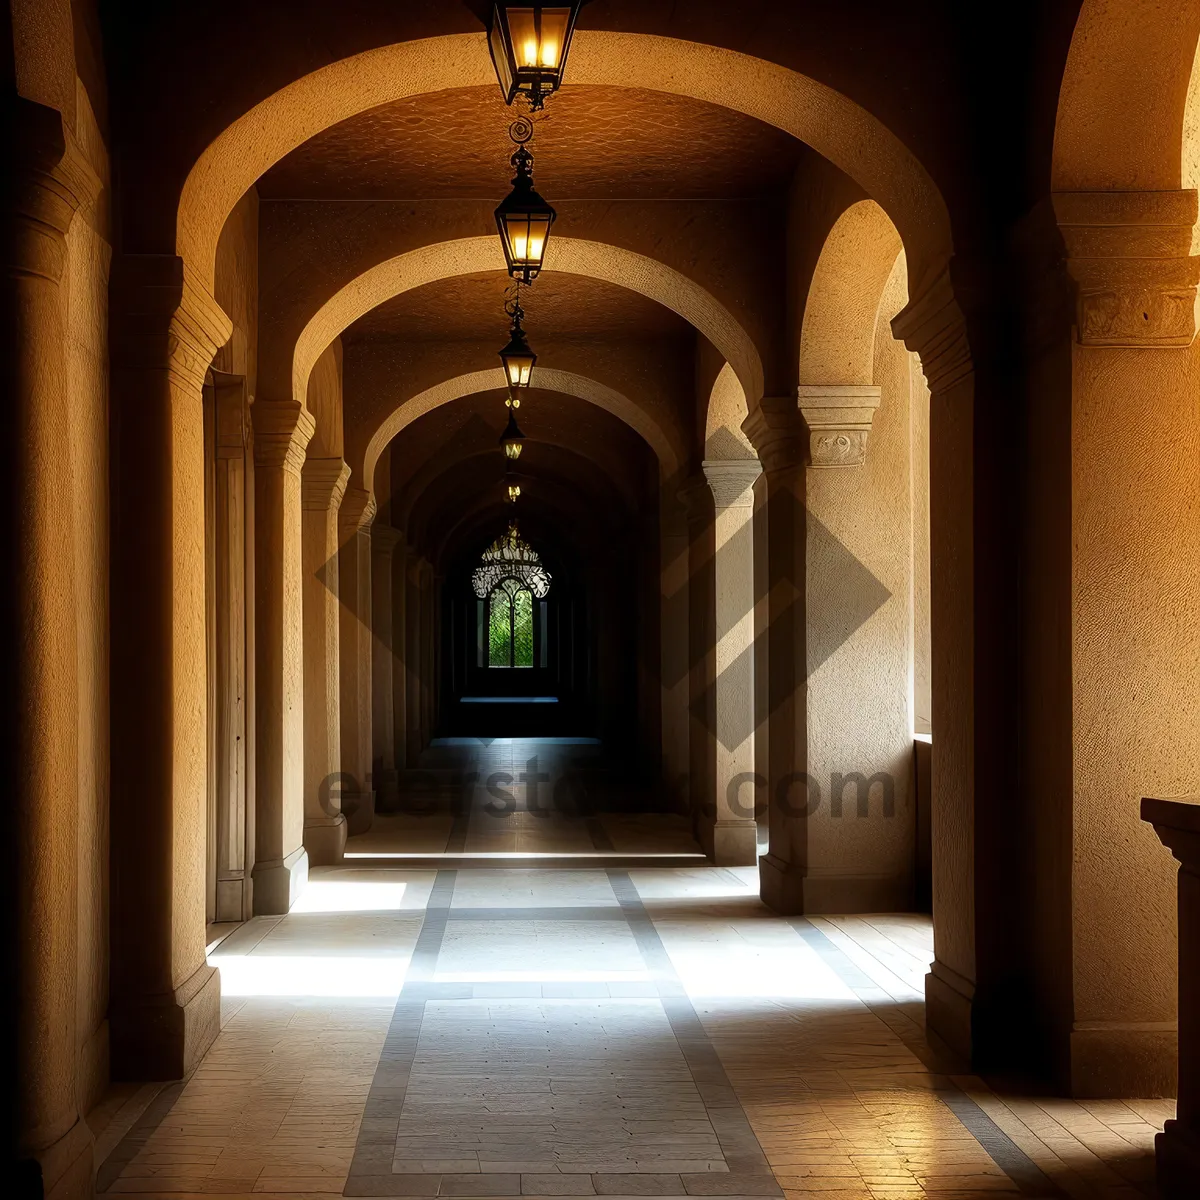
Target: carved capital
838 417
282 430
164 319
731 481
777 433
357 509
52 180
1129 254
385 539
323 483
932 326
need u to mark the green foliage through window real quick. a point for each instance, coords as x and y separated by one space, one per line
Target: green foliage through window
510 625
523 629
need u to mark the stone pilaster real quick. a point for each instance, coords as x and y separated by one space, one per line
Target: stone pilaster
673 646
384 541
323 483
231 609
282 429
51 182
734 832
429 655
1177 1148
777 431
355 515
165 1006
410 639
1128 725
400 655
964 666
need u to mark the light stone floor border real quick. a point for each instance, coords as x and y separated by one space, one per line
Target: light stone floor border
372 1173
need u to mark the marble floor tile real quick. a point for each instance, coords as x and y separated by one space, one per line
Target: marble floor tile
599 1031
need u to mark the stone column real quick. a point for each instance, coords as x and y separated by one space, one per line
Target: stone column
165 999
234 850
52 181
970 662
411 638
323 482
1128 565
673 644
734 832
400 655
777 433
429 654
1177 1148
384 540
355 652
282 429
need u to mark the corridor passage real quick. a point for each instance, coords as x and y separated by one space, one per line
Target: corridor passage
599 1030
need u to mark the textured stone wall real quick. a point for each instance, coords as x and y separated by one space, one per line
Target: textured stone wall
859 562
85 297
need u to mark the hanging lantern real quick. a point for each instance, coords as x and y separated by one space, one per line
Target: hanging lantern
524 221
514 490
529 45
512 439
517 357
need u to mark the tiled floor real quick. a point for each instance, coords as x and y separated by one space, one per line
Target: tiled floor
597 1031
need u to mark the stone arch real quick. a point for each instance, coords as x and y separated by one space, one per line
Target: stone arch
837 336
571 255
1126 98
449 390
727 409
837 128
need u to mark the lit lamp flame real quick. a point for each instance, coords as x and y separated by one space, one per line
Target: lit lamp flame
529 44
517 357
512 439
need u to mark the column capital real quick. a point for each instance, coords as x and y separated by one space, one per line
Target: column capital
52 175
1130 255
838 417
384 538
776 431
323 483
932 325
732 481
164 317
282 430
357 509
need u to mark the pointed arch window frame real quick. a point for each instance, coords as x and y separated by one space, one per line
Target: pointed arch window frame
509 570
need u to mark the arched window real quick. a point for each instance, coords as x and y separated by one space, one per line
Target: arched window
510 625
509 578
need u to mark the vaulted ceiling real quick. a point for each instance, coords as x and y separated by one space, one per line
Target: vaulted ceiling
592 143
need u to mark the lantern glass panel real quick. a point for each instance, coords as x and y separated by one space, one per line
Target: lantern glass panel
527 234
519 368
500 58
538 44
